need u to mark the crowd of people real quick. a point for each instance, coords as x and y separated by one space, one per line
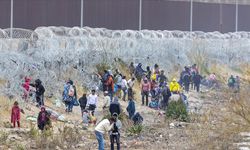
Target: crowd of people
155 89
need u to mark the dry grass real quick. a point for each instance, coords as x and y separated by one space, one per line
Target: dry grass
220 128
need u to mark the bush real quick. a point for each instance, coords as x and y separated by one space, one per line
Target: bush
177 110
135 129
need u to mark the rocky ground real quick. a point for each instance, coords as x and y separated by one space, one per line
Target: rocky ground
205 130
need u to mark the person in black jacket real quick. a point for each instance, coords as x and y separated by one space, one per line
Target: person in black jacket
83 102
197 81
166 94
39 92
115 107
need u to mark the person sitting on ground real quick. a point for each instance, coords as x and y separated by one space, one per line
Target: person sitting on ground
145 89
115 106
115 132
92 101
43 120
15 115
131 107
162 78
231 82
92 118
40 90
106 100
130 84
85 118
137 119
105 125
212 79
83 102
174 87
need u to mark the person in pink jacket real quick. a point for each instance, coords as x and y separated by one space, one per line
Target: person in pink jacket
26 87
145 88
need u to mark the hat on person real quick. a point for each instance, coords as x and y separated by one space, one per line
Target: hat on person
106 92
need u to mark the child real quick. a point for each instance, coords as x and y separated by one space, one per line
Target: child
92 118
15 115
85 118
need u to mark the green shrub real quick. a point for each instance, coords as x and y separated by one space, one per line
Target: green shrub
177 110
135 129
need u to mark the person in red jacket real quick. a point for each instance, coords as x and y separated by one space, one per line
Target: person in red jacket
26 86
15 115
110 86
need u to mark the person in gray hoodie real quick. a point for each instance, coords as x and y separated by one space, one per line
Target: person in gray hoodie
115 107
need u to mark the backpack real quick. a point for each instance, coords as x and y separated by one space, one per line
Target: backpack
71 91
153 104
137 118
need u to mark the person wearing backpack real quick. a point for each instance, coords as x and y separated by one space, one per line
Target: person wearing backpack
68 95
115 132
145 89
166 94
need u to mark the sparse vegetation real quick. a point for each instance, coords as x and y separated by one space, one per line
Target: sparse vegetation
177 110
135 129
3 137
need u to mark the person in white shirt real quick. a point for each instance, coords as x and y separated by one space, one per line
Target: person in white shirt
130 84
106 100
92 101
105 125
124 87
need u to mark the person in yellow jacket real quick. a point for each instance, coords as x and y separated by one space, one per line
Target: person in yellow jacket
174 86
